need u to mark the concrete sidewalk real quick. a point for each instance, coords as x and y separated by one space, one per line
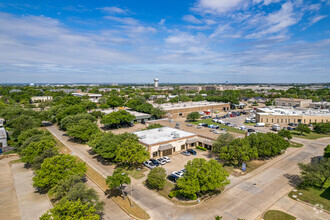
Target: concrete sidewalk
8 200
31 204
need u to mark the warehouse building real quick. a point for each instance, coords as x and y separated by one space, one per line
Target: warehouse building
35 99
166 141
91 96
290 102
175 110
292 115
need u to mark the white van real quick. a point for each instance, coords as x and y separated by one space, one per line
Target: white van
259 125
276 127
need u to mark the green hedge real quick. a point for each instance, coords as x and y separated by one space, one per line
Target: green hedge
173 194
201 148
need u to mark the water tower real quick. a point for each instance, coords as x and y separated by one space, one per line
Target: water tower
156 82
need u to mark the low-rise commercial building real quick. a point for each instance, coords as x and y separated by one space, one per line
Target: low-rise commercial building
166 141
3 137
41 99
175 110
291 115
289 102
91 96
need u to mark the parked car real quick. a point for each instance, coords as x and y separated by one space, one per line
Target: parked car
185 153
183 170
211 130
189 125
290 128
149 164
216 132
223 129
173 178
205 125
161 161
192 151
250 130
199 127
253 121
167 159
154 161
178 173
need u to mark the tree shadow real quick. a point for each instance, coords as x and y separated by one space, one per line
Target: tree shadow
294 180
326 194
109 193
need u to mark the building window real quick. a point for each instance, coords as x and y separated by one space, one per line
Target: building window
294 120
192 144
183 147
200 144
272 120
155 154
173 149
262 120
278 120
267 120
282 120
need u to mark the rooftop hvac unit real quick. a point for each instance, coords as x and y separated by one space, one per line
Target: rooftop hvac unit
176 135
142 137
160 129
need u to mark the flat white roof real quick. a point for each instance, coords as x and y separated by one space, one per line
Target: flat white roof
159 135
294 112
182 105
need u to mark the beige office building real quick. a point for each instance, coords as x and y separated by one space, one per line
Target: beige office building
175 110
289 102
290 115
166 141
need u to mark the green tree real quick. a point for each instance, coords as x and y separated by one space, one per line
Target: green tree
198 98
38 160
118 178
322 128
131 153
22 123
156 178
193 116
35 149
115 101
315 173
303 128
222 140
202 177
107 145
285 134
83 130
74 119
27 134
56 169
157 112
63 187
117 118
71 210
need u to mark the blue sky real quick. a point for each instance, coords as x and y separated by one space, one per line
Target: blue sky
197 41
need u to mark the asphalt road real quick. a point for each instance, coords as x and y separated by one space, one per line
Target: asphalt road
248 197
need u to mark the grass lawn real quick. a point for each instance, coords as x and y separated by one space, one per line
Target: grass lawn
136 174
276 215
250 123
295 144
210 122
16 161
169 186
311 136
250 166
10 152
135 210
314 196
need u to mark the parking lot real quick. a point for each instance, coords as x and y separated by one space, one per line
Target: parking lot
178 161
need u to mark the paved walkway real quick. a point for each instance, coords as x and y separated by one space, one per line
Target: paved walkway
247 197
8 200
298 209
31 204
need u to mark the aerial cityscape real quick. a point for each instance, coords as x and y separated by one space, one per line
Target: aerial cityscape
178 110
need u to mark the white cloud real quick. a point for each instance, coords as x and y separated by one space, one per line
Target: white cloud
192 19
217 6
114 10
317 18
162 21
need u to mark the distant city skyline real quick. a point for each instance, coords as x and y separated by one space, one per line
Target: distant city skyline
199 41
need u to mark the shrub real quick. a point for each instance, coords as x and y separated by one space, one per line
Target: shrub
201 148
173 194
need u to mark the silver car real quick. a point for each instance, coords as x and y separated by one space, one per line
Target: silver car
161 161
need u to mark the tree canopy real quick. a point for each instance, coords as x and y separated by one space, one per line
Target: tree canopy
56 169
202 177
156 178
316 173
193 116
118 178
285 134
131 153
83 130
322 128
117 118
303 128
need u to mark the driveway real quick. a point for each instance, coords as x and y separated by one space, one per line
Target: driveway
31 204
246 197
8 201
